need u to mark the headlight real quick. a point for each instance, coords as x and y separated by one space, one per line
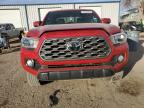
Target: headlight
29 42
119 38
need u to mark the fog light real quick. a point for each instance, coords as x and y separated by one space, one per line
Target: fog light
120 58
30 63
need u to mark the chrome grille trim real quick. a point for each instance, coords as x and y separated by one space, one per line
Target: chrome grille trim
56 48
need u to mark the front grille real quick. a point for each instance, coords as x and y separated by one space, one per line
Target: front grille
90 47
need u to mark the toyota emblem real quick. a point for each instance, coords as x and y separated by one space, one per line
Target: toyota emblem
74 46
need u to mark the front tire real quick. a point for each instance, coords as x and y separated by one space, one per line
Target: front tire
133 45
133 40
20 36
0 50
6 43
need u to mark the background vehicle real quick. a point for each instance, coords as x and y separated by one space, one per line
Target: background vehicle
7 32
132 29
131 21
4 43
73 44
132 26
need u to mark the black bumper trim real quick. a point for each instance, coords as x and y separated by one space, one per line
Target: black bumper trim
75 74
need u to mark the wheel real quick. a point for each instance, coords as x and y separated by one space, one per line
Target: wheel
133 40
134 56
32 80
133 45
0 50
20 36
6 42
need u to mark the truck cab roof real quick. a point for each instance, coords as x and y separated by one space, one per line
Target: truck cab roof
6 24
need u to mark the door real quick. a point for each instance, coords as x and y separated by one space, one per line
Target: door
15 32
11 31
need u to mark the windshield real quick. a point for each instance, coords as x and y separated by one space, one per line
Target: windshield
66 17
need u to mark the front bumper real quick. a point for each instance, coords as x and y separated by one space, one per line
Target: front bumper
72 69
103 67
75 74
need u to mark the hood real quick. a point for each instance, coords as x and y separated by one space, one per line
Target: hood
38 31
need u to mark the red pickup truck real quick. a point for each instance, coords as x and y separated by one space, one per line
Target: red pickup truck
73 44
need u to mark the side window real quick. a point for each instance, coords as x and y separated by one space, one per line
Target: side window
60 21
8 27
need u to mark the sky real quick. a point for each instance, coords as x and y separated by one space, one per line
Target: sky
49 1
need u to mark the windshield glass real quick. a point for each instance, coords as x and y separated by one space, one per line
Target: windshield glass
66 17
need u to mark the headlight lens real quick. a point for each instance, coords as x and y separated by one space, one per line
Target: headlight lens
119 38
29 42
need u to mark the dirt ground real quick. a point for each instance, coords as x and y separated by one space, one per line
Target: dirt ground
90 93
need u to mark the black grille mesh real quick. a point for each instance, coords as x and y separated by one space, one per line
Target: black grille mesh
56 48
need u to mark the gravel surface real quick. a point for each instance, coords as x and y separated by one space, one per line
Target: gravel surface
90 93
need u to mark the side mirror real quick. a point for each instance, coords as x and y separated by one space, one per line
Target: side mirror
106 20
37 23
